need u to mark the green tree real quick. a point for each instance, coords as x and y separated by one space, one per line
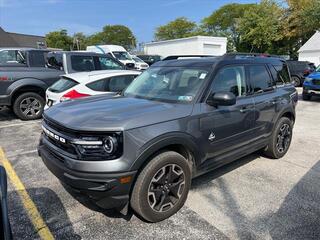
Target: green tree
79 41
225 22
59 39
114 34
178 28
262 27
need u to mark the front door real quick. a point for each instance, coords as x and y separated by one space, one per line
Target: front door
225 129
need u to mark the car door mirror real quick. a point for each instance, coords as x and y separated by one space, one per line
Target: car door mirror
222 99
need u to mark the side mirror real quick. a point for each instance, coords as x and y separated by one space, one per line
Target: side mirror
222 99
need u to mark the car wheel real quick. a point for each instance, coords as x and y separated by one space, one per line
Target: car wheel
296 81
162 187
29 106
306 96
280 140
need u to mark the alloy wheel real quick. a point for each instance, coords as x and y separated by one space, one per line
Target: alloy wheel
30 107
283 138
166 188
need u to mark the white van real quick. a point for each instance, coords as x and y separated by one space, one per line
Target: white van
116 51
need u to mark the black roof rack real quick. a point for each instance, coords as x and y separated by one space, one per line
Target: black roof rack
175 57
240 55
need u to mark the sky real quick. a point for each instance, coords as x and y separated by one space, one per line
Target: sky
39 17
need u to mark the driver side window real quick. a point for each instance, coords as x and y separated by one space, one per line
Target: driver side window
230 79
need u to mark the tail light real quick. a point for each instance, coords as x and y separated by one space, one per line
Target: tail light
306 72
72 95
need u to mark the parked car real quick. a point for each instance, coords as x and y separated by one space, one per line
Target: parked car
150 59
177 120
84 84
5 229
115 51
299 70
25 74
140 64
311 85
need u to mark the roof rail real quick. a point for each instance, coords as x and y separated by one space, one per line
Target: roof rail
240 55
175 57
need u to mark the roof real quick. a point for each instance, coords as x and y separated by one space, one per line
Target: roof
209 61
204 38
312 44
8 39
102 73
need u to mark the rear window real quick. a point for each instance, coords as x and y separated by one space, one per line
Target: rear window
82 63
283 75
37 59
62 85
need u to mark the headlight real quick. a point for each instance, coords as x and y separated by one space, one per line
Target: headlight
110 144
101 147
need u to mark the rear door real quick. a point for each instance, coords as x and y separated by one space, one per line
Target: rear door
265 99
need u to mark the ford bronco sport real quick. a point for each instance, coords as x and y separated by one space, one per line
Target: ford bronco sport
179 119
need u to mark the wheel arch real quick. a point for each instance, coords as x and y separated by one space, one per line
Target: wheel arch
180 143
26 85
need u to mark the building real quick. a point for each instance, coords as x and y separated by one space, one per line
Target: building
310 51
197 45
8 39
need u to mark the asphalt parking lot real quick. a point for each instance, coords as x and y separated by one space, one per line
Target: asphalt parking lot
253 198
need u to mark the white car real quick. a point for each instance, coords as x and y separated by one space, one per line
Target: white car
115 51
84 84
140 64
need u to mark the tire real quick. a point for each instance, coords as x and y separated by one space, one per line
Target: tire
151 182
306 96
296 81
28 106
279 146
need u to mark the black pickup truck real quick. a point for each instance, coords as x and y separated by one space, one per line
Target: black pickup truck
25 74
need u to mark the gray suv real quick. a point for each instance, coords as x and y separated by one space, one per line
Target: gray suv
179 119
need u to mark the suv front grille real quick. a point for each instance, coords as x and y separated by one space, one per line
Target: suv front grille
65 140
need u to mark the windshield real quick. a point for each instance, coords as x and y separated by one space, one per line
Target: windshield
172 84
122 55
318 69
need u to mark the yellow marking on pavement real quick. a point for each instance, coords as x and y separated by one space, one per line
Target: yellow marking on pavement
30 207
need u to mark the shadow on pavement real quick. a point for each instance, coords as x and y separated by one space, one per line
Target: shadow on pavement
298 216
51 210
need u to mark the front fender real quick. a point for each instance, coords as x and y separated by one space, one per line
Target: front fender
166 140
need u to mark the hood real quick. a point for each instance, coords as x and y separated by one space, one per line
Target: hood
314 75
100 113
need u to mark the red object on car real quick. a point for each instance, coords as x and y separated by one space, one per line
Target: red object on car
72 95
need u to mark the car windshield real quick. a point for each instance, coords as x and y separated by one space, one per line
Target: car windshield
318 69
122 55
169 84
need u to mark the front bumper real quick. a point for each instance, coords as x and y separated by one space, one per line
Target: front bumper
311 89
104 189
